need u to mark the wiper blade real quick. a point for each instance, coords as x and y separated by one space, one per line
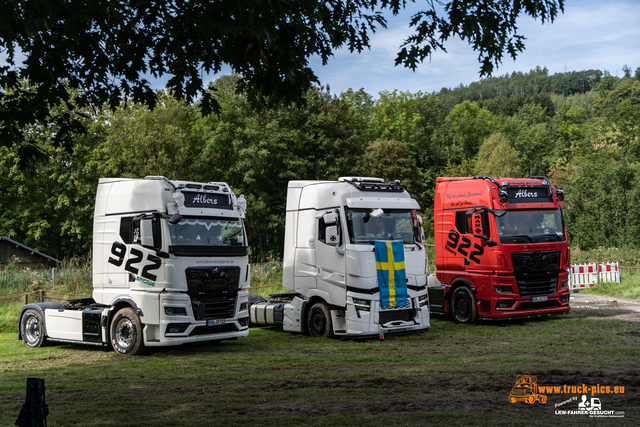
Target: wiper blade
524 236
558 238
409 242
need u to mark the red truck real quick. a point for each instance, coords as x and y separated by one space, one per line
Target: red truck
501 249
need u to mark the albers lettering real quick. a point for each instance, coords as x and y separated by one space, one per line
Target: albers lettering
203 199
526 194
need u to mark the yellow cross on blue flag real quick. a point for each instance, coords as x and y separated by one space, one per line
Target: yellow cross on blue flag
392 277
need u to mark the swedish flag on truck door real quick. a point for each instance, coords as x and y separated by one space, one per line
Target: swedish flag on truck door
392 277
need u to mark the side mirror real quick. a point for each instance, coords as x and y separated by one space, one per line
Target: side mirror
476 224
330 218
175 218
332 236
376 213
146 233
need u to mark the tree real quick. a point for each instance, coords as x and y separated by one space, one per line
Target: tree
109 49
468 126
391 160
497 158
140 142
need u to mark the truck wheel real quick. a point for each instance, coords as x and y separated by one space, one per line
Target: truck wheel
542 398
319 321
463 306
126 332
32 328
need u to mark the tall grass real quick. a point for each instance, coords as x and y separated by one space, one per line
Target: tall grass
266 278
71 277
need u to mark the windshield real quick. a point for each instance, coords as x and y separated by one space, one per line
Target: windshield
207 232
393 224
531 226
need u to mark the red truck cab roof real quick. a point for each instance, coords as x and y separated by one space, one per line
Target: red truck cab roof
498 193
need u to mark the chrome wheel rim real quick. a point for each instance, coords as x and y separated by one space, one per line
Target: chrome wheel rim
32 329
125 333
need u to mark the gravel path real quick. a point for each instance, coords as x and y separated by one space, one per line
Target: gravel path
610 307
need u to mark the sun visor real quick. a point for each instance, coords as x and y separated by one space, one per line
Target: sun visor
382 202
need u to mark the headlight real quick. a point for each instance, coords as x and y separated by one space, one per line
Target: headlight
175 311
564 285
362 305
423 300
503 289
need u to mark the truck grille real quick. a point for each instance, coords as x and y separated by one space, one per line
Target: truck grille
391 315
213 291
536 272
533 287
405 313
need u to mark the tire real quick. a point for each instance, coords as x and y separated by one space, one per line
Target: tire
126 332
463 306
542 399
319 323
531 399
32 328
512 399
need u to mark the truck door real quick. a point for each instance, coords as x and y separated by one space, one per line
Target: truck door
330 258
451 240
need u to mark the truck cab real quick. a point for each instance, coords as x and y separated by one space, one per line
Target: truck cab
330 264
170 267
501 249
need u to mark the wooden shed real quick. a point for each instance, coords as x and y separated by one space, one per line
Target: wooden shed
24 256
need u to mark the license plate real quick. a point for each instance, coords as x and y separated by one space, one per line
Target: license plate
215 322
539 299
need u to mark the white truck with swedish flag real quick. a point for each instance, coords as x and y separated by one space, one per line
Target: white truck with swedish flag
354 259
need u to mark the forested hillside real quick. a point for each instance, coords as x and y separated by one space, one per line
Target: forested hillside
581 129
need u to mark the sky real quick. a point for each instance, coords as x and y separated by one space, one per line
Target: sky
602 35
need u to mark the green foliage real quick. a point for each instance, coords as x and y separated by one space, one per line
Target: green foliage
628 256
108 49
521 85
258 152
391 160
585 140
140 142
468 126
497 158
628 90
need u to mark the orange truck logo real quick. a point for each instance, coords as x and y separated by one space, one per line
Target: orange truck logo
526 390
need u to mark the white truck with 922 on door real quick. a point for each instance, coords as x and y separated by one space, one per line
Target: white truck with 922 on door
170 267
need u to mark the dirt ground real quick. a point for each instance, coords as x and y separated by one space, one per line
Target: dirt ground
609 307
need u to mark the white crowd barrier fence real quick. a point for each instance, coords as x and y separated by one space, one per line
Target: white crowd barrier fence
586 275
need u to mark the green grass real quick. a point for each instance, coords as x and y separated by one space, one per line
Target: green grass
629 286
452 374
